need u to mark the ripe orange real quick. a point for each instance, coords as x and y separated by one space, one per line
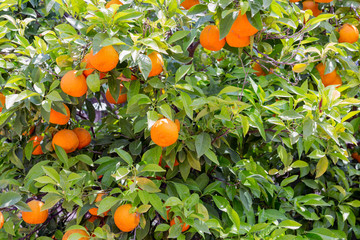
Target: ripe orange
348 33
83 136
80 231
121 99
243 27
66 139
177 122
314 7
36 144
210 38
89 68
35 216
125 220
328 79
31 131
184 226
323 1
295 0
356 156
58 117
113 2
105 60
93 211
164 132
187 4
92 219
235 40
73 85
157 64
259 71
167 166
1 220
2 100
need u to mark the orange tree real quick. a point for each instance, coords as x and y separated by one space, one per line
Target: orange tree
156 119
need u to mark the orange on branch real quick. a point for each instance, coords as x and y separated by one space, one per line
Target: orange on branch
93 211
187 4
125 220
58 117
2 100
105 60
259 70
121 99
243 27
108 4
314 7
210 38
294 0
89 68
73 85
328 79
31 131
323 1
177 122
184 226
157 64
235 40
79 231
83 136
66 139
36 144
348 33
1 220
164 132
35 216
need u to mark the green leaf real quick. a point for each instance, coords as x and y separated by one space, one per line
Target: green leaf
289 180
229 89
125 156
60 152
181 72
212 156
226 23
321 166
290 224
147 185
7 199
165 110
202 143
93 82
194 162
177 36
107 203
144 65
290 115
152 168
51 172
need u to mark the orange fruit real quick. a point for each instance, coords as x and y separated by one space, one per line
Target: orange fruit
184 226
243 27
31 131
58 117
323 1
328 79
36 144
83 136
35 216
235 40
1 220
66 139
321 68
348 33
93 211
187 4
73 85
125 220
259 71
89 68
210 38
105 60
72 231
314 7
335 81
92 219
295 0
157 64
2 100
113 2
177 122
121 99
164 132
167 166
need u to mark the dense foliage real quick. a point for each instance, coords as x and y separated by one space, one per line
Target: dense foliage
258 157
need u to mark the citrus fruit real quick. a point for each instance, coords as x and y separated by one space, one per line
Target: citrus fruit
79 231
328 79
210 38
89 68
243 27
105 60
93 211
314 7
84 137
92 219
125 220
187 4
36 144
235 40
323 1
1 220
348 33
177 122
164 132
184 226
113 2
2 100
259 71
121 99
31 131
36 216
335 81
66 139
58 117
73 85
157 64
295 0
